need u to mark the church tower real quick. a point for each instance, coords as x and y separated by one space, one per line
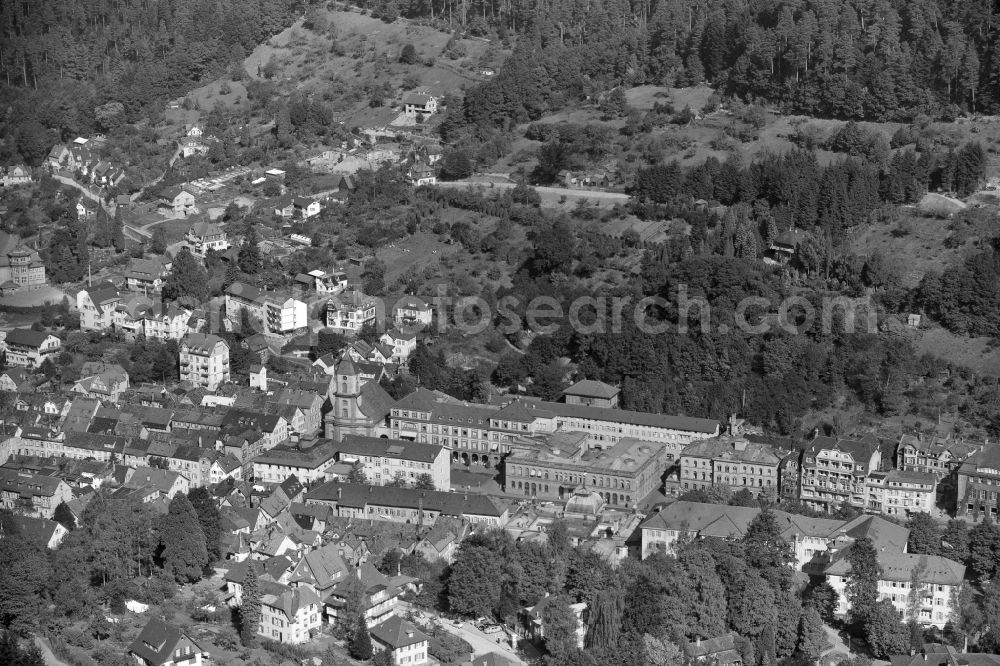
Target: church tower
346 417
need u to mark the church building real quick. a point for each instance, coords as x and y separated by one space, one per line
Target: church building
359 407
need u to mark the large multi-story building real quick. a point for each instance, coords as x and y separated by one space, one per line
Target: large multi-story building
481 434
936 455
835 472
731 461
26 348
554 466
386 461
204 360
405 505
349 312
922 588
901 493
308 465
32 494
273 312
19 264
979 484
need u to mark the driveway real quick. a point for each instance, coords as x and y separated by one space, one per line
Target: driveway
480 642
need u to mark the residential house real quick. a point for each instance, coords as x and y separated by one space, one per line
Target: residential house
204 360
97 306
785 245
289 615
379 596
320 569
166 323
46 533
411 311
402 344
16 380
32 494
421 174
592 393
938 654
26 348
533 624
416 103
147 275
323 282
406 645
166 483
105 381
432 154
177 199
204 236
941 456
978 481
304 208
836 471
348 313
163 644
18 174
901 493
718 651
310 409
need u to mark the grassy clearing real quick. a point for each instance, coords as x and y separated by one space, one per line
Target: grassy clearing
308 61
917 242
975 353
415 253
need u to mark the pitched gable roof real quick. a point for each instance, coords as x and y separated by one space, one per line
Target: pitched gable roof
157 641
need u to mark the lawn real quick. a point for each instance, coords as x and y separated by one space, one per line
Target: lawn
414 252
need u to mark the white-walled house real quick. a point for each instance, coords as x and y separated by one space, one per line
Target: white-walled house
406 644
920 587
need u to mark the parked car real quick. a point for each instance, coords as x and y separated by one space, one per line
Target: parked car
491 629
458 623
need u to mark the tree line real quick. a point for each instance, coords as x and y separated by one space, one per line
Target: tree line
874 60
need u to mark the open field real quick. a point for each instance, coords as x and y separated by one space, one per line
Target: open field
974 353
309 60
415 252
919 250
31 297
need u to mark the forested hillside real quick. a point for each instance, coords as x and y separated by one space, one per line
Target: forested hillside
62 59
873 59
